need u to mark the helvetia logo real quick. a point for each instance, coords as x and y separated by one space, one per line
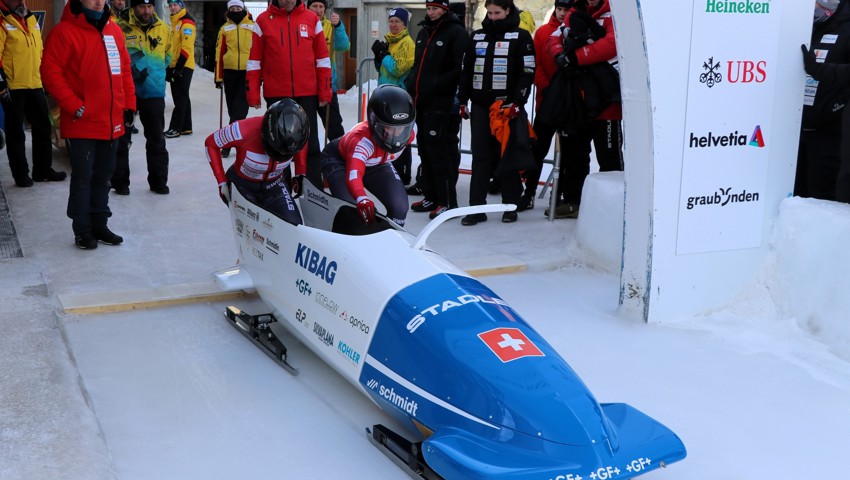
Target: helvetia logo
722 197
731 139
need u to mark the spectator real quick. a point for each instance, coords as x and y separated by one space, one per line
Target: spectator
182 66
526 21
21 44
393 60
819 156
264 149
546 69
338 42
119 11
433 83
147 40
289 58
359 160
498 71
231 52
589 52
86 67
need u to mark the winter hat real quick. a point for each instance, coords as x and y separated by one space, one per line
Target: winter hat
458 8
564 3
136 3
444 4
401 14
235 3
177 2
323 2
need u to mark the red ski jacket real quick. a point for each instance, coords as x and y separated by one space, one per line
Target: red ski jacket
252 161
289 56
359 151
84 66
546 66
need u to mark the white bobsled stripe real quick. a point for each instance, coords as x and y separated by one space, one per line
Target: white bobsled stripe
370 360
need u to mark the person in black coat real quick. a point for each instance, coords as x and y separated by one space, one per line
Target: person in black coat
433 83
827 92
499 66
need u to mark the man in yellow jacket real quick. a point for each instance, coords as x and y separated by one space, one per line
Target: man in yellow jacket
179 72
21 47
232 48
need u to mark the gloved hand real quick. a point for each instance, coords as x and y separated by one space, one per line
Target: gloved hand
224 193
512 109
464 112
810 62
176 72
366 209
5 95
129 118
169 74
218 85
297 186
379 46
80 111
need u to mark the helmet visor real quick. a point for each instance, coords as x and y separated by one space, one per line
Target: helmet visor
392 137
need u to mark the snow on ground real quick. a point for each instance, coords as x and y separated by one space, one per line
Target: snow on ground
757 389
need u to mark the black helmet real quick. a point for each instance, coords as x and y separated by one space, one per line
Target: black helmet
391 116
285 129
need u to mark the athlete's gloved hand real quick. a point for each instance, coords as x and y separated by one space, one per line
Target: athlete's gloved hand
512 109
366 209
297 186
464 112
129 118
224 193
218 85
810 62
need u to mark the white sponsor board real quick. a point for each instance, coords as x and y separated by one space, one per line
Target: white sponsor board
712 102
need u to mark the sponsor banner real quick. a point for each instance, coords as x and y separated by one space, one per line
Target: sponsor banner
728 125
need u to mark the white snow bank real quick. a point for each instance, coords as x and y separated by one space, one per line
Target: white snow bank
599 229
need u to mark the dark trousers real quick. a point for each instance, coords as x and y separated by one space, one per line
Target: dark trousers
92 163
335 129
181 117
486 154
152 115
381 180
403 165
545 133
234 94
29 104
437 139
273 196
314 152
818 161
607 138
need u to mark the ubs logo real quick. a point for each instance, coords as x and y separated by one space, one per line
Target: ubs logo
737 72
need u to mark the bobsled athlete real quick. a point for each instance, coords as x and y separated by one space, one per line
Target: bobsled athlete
361 159
264 150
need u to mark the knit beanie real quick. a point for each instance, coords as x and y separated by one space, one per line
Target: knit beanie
235 3
444 4
564 3
136 3
323 2
400 13
177 2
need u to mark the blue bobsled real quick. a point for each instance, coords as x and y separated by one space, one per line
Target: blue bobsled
483 395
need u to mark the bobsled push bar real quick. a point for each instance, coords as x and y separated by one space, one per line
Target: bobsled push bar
263 331
402 452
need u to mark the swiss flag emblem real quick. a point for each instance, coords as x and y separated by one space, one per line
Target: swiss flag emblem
509 344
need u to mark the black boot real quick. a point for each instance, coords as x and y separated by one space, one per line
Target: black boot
102 233
48 175
85 241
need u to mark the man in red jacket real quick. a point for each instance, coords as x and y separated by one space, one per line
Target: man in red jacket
289 58
86 68
546 69
605 130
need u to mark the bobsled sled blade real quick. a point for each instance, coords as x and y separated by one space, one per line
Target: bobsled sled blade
263 331
402 452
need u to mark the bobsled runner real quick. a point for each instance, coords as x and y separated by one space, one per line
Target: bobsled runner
482 394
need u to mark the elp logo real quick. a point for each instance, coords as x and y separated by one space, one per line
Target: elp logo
509 344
